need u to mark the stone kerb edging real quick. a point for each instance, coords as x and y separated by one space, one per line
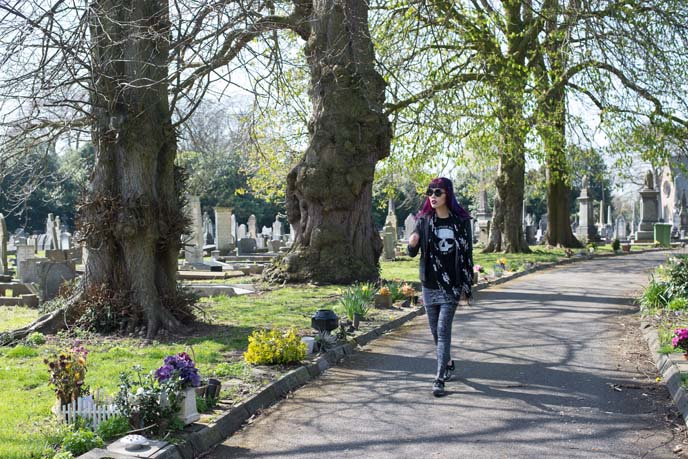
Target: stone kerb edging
668 369
207 436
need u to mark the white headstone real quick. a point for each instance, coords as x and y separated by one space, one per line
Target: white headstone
24 252
276 228
252 233
224 228
409 225
241 232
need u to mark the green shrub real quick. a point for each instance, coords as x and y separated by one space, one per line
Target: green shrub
63 455
35 339
274 347
395 291
81 441
654 296
678 303
616 245
113 428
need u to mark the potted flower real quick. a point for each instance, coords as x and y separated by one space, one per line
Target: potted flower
67 374
626 247
383 299
568 252
410 294
180 374
680 341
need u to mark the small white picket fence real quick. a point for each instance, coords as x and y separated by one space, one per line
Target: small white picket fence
93 408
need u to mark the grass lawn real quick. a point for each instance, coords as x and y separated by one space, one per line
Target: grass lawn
222 337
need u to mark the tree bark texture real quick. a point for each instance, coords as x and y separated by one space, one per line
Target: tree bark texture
329 193
132 219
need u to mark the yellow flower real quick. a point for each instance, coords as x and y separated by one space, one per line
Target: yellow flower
384 291
658 379
364 288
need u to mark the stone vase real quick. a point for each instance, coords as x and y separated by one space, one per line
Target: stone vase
188 412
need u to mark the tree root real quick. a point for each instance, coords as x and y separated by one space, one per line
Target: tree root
49 323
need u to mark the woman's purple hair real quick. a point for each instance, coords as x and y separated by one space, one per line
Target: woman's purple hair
448 187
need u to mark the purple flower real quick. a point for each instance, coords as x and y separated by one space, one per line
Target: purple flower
179 366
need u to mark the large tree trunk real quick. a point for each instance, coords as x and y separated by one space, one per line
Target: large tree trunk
507 224
552 132
329 193
132 220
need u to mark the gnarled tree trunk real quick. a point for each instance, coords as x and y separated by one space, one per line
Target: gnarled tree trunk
132 219
329 193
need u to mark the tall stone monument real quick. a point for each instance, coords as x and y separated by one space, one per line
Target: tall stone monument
409 226
649 210
4 237
252 230
483 217
224 231
683 216
586 231
391 220
193 242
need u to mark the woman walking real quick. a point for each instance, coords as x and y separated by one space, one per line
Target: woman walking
444 237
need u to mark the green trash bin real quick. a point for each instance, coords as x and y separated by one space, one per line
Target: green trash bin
663 234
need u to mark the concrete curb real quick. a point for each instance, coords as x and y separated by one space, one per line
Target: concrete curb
668 370
207 436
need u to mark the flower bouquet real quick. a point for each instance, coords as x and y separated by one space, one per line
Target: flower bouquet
68 373
680 340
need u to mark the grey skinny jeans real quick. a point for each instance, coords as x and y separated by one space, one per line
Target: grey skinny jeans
440 318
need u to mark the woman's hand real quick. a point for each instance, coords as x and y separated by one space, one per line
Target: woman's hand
413 240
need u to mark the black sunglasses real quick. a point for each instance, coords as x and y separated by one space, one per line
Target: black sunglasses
436 191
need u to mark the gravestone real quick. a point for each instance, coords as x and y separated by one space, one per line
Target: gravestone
388 243
292 234
4 269
41 242
274 245
33 242
483 218
241 232
276 228
50 242
649 210
49 275
683 216
252 227
193 243
247 246
224 229
208 230
391 220
260 242
65 240
409 226
587 231
266 232
620 228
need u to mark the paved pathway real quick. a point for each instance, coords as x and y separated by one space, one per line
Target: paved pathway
539 373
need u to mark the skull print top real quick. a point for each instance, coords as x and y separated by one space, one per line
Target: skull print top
443 244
